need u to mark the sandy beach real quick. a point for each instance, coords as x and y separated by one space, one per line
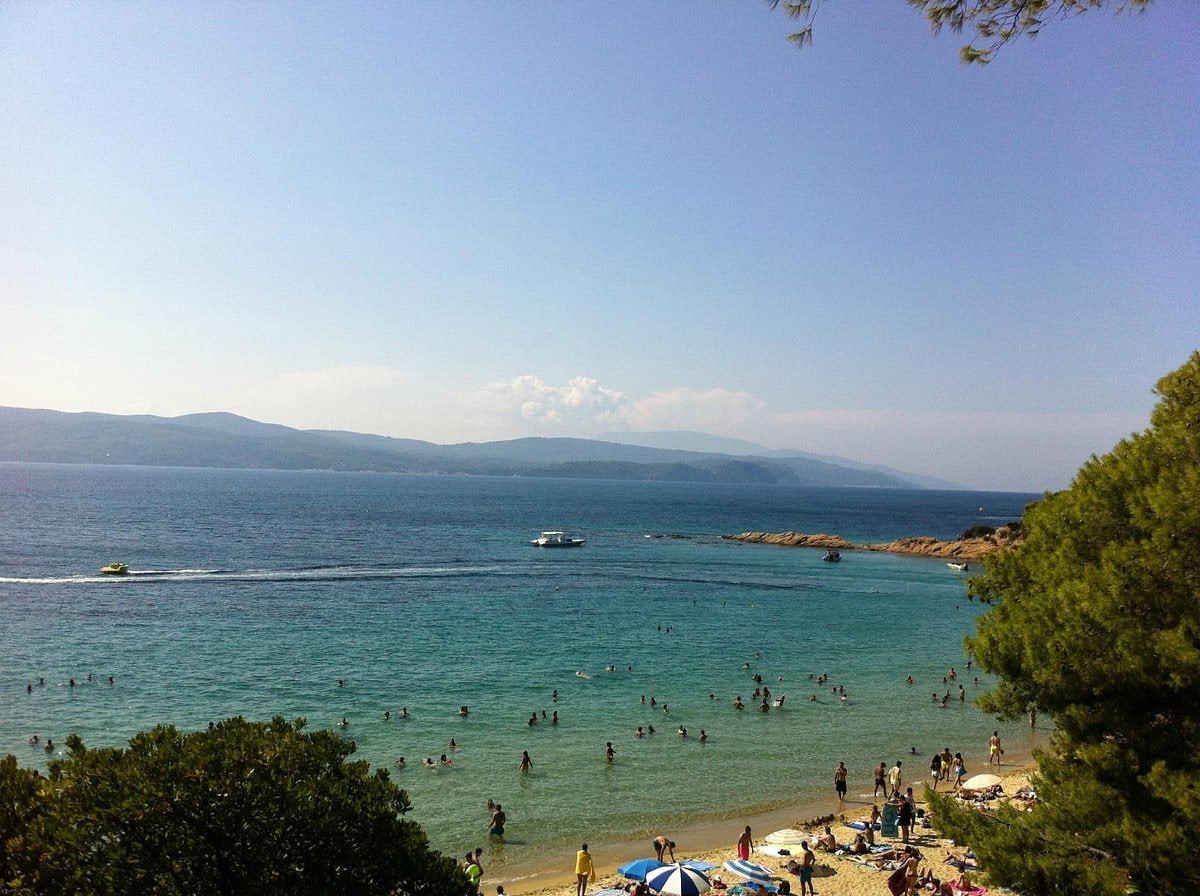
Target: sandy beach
836 875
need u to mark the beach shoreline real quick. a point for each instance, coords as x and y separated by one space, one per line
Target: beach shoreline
713 840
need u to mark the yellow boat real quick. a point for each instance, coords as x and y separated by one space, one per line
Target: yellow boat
115 569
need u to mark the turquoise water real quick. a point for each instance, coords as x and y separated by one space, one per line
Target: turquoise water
255 593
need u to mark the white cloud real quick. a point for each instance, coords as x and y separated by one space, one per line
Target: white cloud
581 407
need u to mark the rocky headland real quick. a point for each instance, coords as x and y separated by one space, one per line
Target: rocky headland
963 549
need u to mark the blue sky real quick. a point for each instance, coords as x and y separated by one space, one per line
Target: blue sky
476 221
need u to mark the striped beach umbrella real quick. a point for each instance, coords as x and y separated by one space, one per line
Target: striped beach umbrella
749 869
677 880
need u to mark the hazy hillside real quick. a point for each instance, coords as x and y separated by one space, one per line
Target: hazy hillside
227 440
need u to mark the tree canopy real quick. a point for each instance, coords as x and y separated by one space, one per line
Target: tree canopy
1095 621
244 807
994 22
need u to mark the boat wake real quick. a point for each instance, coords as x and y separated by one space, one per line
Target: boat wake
298 574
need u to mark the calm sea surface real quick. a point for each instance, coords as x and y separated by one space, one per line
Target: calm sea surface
253 593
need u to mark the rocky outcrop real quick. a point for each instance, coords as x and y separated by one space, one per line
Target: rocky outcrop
921 546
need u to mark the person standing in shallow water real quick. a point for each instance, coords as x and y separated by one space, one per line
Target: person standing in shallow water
585 870
496 825
839 783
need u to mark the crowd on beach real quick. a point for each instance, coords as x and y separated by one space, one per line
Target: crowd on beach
851 857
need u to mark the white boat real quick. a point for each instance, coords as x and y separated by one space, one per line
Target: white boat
961 567
557 540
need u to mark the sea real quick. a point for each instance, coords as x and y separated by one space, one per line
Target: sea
336 596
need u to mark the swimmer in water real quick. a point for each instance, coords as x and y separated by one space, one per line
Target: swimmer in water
400 763
526 763
453 745
446 760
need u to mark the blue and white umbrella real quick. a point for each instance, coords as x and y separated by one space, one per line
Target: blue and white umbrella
749 869
638 868
677 880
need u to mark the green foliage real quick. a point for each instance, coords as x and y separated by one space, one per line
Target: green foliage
995 22
978 532
1096 622
262 808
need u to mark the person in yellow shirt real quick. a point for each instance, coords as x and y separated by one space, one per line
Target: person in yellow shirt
585 870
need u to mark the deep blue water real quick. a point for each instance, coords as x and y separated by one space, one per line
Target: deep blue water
253 593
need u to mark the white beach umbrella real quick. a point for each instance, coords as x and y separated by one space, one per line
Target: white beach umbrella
787 836
677 880
981 782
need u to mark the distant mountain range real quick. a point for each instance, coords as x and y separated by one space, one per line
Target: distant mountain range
230 441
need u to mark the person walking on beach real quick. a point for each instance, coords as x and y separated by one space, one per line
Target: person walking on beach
744 844
664 845
935 769
839 784
994 750
947 761
895 779
960 770
880 781
585 870
807 861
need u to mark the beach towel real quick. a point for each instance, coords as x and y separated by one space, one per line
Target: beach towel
862 825
897 883
967 891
